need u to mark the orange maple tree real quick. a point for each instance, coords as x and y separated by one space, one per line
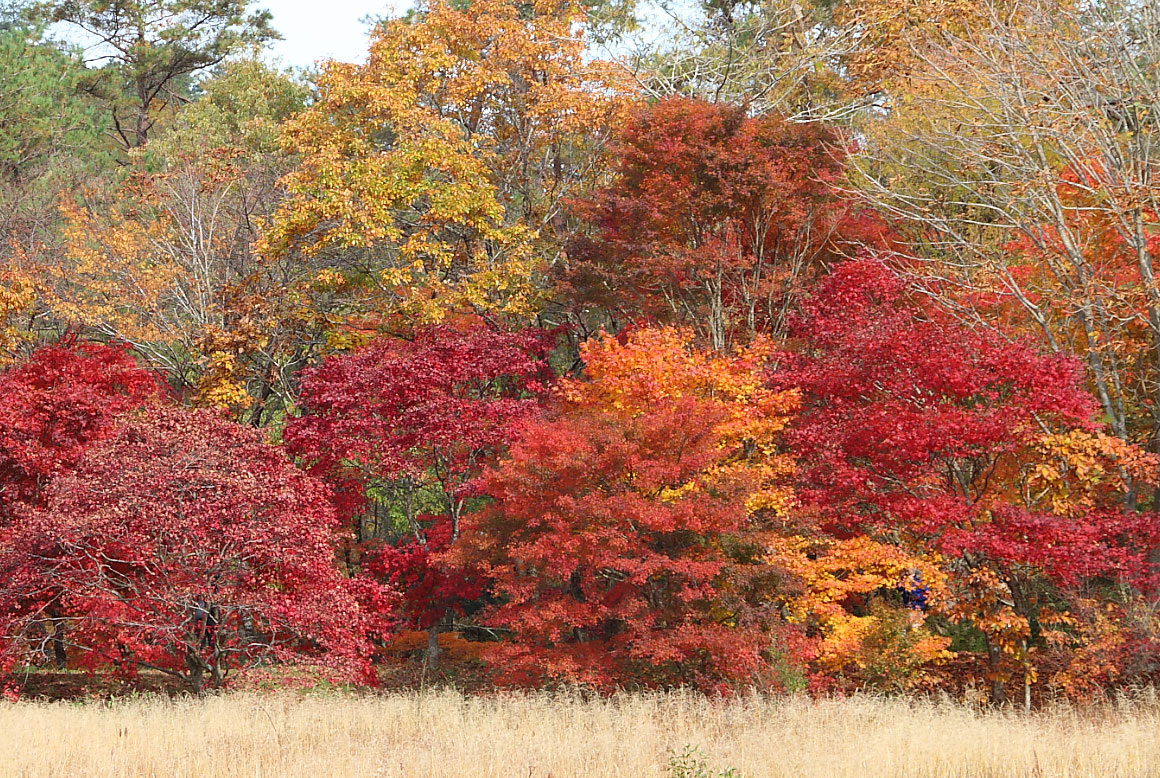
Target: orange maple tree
618 536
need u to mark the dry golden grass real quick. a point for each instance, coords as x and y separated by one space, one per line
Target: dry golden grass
444 733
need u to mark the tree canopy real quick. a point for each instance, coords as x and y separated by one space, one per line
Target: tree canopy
787 345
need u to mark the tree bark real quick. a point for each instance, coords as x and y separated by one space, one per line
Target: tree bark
998 693
431 657
196 667
59 646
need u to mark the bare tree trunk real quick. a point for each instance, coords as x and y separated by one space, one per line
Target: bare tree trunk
994 656
717 334
196 667
59 646
1026 678
431 657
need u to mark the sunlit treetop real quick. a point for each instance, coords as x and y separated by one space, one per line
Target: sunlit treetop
441 164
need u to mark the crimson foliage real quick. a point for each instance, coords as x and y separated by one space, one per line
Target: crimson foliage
913 424
184 543
604 581
715 220
617 539
53 406
404 427
919 431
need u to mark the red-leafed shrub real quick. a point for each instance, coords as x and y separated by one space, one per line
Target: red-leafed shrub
183 542
56 403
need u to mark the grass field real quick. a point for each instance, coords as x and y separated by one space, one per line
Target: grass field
444 733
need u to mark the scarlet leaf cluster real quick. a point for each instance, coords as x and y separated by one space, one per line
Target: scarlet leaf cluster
612 518
55 404
184 543
407 425
914 424
962 444
714 220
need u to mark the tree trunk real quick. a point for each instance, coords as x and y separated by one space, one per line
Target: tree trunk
717 333
431 658
1027 675
196 667
59 647
994 656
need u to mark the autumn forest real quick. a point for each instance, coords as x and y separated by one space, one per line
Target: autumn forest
792 345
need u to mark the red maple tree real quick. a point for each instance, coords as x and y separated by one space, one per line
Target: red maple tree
617 536
401 428
919 431
56 403
53 406
184 543
715 220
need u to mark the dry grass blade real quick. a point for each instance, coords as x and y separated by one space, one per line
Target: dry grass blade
448 734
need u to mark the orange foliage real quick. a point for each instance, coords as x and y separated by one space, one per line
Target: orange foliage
658 366
452 646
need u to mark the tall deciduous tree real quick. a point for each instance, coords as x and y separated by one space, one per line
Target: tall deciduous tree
772 56
166 260
921 432
1023 162
714 220
432 177
617 536
887 38
813 60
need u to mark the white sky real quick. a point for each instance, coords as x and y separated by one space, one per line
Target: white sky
323 29
313 30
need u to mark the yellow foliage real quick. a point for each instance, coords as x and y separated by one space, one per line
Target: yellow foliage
873 641
17 298
219 385
165 265
445 157
983 599
1068 472
115 278
892 34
